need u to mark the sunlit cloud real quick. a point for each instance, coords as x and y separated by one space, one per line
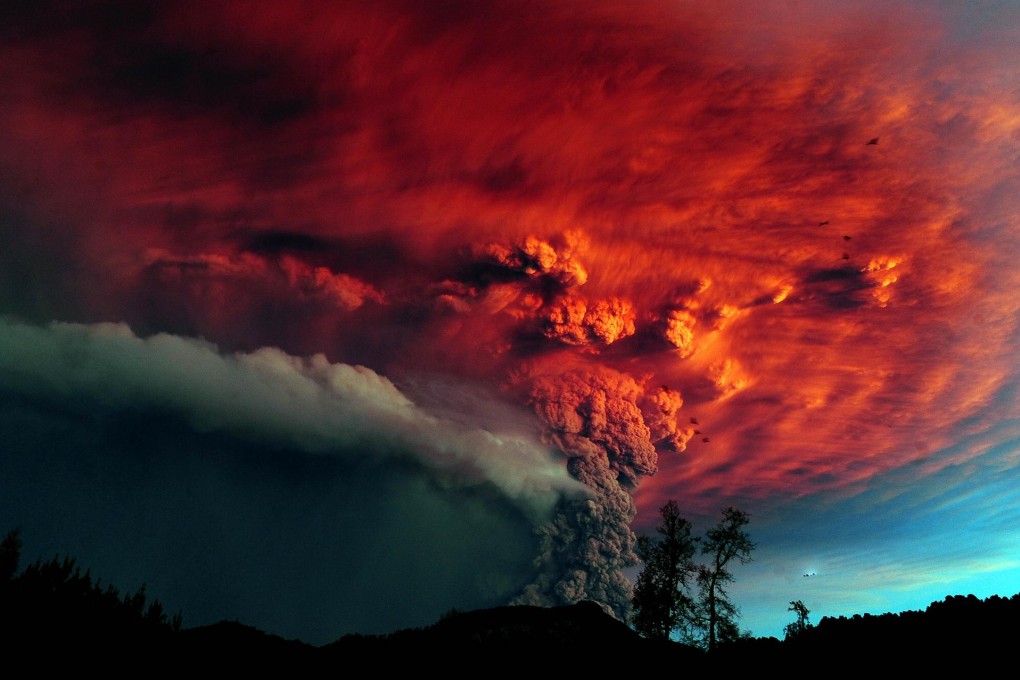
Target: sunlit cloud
780 243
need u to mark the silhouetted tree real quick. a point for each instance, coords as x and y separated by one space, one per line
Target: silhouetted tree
726 542
662 604
57 601
801 624
10 554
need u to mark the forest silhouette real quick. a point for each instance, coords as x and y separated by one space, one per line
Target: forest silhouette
56 615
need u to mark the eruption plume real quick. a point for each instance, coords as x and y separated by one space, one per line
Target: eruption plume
593 416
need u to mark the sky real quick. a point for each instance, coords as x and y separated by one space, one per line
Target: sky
331 317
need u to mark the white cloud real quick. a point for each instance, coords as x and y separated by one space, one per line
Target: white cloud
270 396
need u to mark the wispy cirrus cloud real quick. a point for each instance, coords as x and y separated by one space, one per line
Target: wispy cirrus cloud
683 197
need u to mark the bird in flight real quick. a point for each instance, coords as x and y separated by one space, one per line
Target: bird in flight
704 439
874 140
846 238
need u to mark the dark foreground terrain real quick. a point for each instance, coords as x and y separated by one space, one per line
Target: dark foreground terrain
54 616
576 638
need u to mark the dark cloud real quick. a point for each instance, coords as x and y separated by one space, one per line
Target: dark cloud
191 81
39 271
137 55
540 266
585 550
378 257
285 242
37 20
839 287
271 397
509 176
218 527
258 485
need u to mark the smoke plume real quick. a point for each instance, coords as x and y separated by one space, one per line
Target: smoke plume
307 403
594 417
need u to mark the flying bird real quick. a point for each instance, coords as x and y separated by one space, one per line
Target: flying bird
846 238
874 140
704 439
823 223
694 421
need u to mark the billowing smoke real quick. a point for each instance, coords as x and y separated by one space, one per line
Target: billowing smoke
594 417
598 407
607 424
538 258
269 396
530 193
660 411
575 321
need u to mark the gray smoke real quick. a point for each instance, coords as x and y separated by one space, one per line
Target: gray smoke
594 418
269 396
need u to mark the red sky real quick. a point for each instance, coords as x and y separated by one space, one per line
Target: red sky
649 195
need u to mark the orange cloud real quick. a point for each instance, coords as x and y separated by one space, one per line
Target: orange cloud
574 321
531 189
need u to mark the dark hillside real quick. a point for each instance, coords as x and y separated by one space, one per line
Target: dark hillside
54 616
579 636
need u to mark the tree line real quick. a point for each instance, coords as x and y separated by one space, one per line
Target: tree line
678 597
56 600
56 607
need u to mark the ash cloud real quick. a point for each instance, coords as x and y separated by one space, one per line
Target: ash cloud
537 266
269 396
535 257
660 409
573 320
594 417
719 144
599 407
